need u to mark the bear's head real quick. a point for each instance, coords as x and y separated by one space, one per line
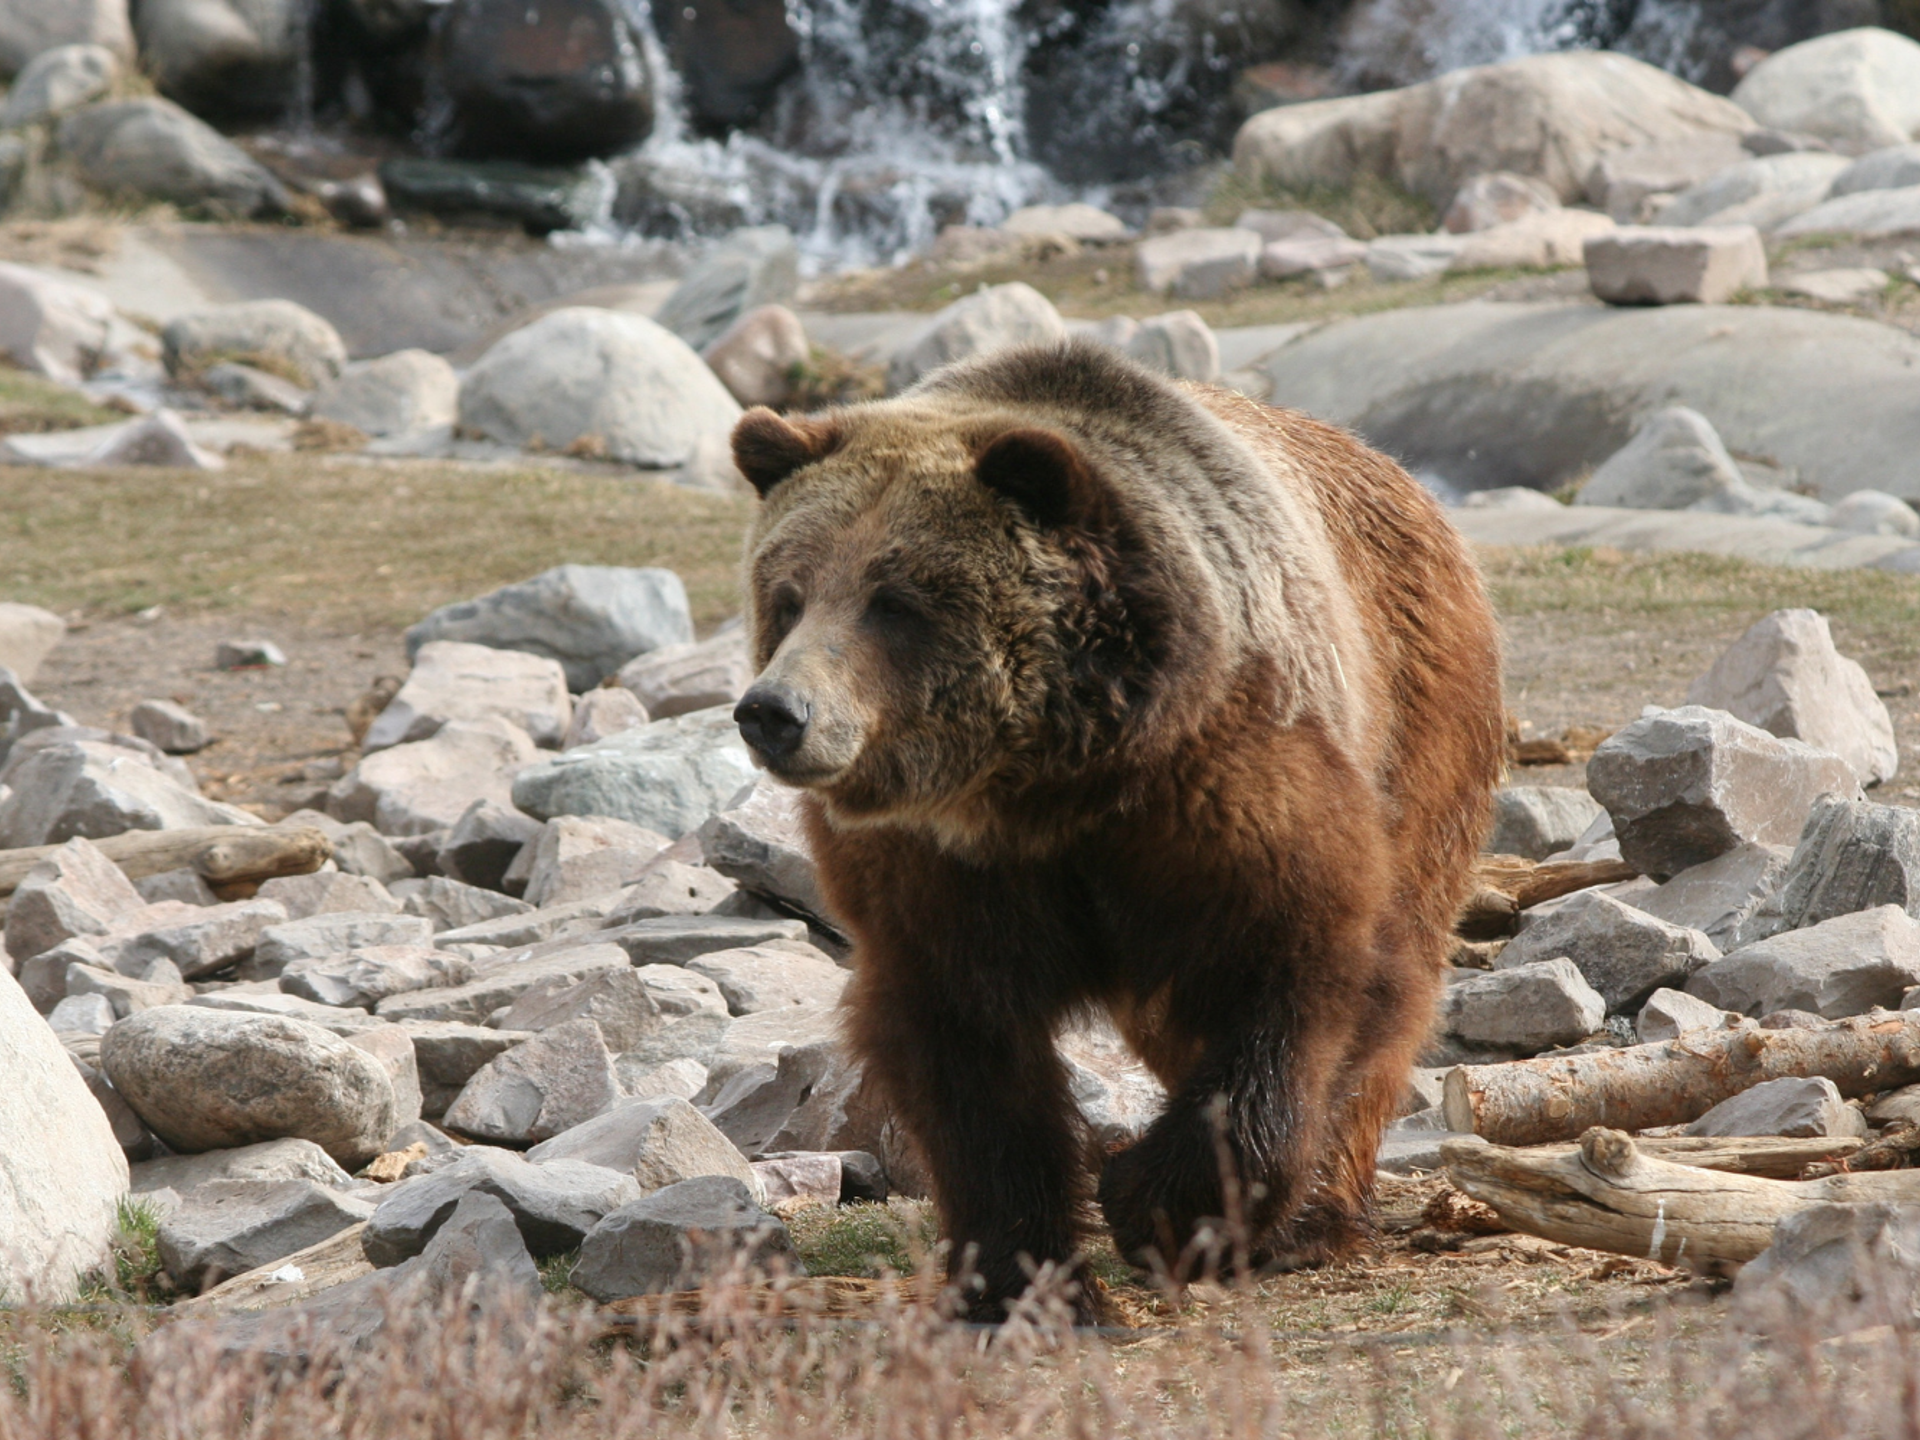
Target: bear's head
944 613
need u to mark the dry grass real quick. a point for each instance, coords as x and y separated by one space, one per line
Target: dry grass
31 405
346 544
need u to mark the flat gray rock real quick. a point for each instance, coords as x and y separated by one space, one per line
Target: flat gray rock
453 679
761 843
269 1161
85 788
1622 952
580 857
210 940
559 1078
1802 1108
483 843
1833 1269
451 905
668 776
1526 1009
679 1237
425 786
364 977
331 934
616 1000
669 887
659 1141
778 973
553 1205
1536 821
503 981
228 1227
1719 896
1853 855
75 891
1840 967
328 892
1669 1014
448 1053
679 939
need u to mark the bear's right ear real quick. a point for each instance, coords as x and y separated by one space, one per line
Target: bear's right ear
768 448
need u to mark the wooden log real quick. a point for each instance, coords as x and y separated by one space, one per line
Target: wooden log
1532 1102
1605 1194
333 1261
224 855
1778 1157
1508 884
1893 1151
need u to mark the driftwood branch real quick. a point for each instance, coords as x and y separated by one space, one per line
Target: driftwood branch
1778 1157
226 856
1892 1151
1605 1194
1532 1102
1504 885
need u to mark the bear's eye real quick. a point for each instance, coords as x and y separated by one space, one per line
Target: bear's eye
785 611
890 607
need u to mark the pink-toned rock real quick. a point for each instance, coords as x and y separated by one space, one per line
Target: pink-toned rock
757 356
1656 265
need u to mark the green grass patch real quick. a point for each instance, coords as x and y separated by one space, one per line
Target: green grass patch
34 405
133 1274
1370 207
865 1239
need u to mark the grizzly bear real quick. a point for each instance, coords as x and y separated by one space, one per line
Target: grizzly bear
1108 693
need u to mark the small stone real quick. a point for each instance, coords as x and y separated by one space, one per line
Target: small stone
1179 344
1525 1009
1902 1104
205 1080
765 977
1840 967
680 939
660 1142
758 355
365 976
83 1014
333 933
1310 256
753 1104
558 1079
1274 225
449 1053
425 786
679 679
398 394
600 713
581 856
247 655
245 388
206 940
1852 856
1116 1093
1496 198
799 1176
1686 785
1720 896
1795 1107
274 335
1399 258
681 1237
1621 951
502 982
452 680
27 636
227 1227
1535 821
532 927
483 842
753 266
679 991
160 984
1650 265
1077 221
159 439
1198 264
184 887
618 1001
554 1205
668 776
75 891
1785 676
327 892
1549 240
988 320
358 849
761 842
1843 286
1833 1269
449 905
670 888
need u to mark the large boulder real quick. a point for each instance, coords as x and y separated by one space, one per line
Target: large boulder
152 149
27 636
225 59
593 619
1785 676
559 81
31 27
600 382
1858 90
273 335
51 327
57 81
93 789
668 776
452 680
1546 117
1840 967
990 319
427 785
397 394
754 266
206 1080
61 1171
1807 172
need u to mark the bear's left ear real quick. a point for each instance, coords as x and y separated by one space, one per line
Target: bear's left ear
1043 473
768 448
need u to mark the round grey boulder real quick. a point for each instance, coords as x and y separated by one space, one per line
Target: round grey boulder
598 382
58 80
210 1079
397 394
153 149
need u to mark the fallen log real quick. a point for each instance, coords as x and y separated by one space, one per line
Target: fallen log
1604 1194
227 857
332 1261
1532 1102
1504 885
1893 1151
1777 1157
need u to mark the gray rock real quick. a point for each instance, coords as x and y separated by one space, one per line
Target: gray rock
682 1079
680 1238
62 1172
1804 1108
1844 966
449 1053
86 788
750 268
802 1175
616 1000
1116 1093
1669 1014
593 619
1396 258
245 999
61 331
1686 785
247 655
680 939
616 383
668 776
173 728
766 977
358 849
1535 821
366 975
270 1161
550 1083
160 439
502 981
75 891
1181 344
1807 172
1526 1009
1833 1269
1785 676
333 933
554 1205
1676 459
578 857
392 1046
1892 167
398 394
533 927
226 59
1622 952
483 843
158 985
426 786
1496 198
670 888
1853 89
989 319
1874 512
203 1080
152 149
600 713
454 680
1661 265
182 886
28 635
678 679
327 892
86 1014
1902 1104
449 905
679 991
754 1105
1852 856
29 28
660 1142
227 1227
757 356
1204 264
277 336
1719 896
761 842
243 387
209 938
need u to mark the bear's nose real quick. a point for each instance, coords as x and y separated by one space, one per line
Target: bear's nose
772 719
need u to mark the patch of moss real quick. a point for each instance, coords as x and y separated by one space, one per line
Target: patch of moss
34 405
864 1239
133 1272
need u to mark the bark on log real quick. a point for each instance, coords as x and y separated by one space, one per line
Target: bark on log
1777 1157
1605 1194
1507 884
1533 1102
1893 1151
224 855
331 1262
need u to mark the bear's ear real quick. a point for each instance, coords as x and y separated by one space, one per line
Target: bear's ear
769 448
1042 473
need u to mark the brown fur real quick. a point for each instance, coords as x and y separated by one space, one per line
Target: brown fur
1139 697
